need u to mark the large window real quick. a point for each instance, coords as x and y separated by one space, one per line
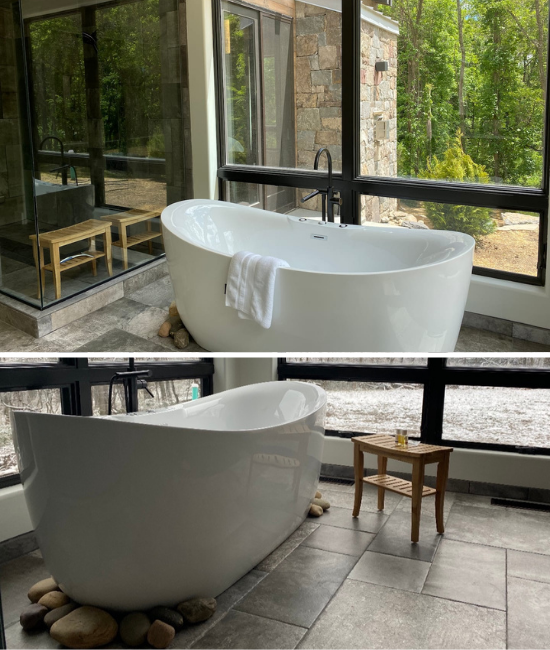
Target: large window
76 387
500 403
434 113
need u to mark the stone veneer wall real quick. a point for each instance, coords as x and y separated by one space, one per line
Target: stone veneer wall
378 96
318 86
12 203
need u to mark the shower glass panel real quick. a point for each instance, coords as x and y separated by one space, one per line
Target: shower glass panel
105 87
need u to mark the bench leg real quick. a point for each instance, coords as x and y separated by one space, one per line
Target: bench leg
108 250
150 242
440 486
56 268
382 469
91 242
417 487
358 464
123 245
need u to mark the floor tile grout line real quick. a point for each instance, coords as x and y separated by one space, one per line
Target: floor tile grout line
504 548
230 608
450 600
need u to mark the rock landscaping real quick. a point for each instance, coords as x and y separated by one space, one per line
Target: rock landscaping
173 326
318 505
82 626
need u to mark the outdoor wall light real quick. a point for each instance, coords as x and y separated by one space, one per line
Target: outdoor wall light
382 66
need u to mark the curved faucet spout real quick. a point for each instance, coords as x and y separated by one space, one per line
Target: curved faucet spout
329 163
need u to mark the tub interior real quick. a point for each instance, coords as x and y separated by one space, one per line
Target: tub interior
241 409
229 228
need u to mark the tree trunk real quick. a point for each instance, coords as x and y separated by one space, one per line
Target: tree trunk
461 73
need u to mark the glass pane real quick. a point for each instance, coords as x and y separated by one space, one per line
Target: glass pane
42 401
505 241
283 84
367 361
16 198
107 84
165 393
454 91
511 363
286 200
373 407
509 416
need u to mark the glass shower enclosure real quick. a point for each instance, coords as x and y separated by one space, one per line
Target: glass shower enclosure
94 140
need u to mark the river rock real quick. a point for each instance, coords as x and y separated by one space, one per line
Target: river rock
32 616
54 599
57 613
134 629
40 588
322 503
181 338
318 495
173 310
160 634
168 324
168 616
315 511
85 627
197 610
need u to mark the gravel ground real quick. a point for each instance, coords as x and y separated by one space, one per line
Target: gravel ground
518 416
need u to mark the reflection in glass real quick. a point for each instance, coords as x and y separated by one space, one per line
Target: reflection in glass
41 401
106 85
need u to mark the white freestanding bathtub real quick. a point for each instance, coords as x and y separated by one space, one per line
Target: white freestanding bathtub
348 288
154 508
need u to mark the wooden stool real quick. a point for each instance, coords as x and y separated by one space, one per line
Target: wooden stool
418 455
124 219
57 238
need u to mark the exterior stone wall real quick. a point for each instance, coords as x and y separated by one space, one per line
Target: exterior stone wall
378 103
318 84
12 202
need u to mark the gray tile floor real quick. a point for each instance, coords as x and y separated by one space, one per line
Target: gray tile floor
131 325
342 583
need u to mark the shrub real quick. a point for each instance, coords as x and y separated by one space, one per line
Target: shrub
458 166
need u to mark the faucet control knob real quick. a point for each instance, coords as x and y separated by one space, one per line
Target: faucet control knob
336 199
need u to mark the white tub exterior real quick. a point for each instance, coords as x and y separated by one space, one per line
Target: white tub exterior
155 508
348 289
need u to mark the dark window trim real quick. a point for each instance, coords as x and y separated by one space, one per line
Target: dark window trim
351 184
434 377
75 378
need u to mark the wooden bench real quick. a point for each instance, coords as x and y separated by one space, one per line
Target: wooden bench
55 239
124 219
418 455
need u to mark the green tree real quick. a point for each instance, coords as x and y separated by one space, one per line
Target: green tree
457 165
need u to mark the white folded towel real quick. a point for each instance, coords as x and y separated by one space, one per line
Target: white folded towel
251 285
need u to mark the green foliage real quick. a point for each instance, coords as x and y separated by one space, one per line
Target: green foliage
458 166
128 46
505 45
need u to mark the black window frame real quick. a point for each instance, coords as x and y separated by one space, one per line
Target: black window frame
352 184
75 378
435 376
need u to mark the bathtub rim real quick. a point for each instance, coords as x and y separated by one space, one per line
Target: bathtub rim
166 222
320 402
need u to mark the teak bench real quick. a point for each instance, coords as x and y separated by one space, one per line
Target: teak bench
124 219
57 238
418 455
